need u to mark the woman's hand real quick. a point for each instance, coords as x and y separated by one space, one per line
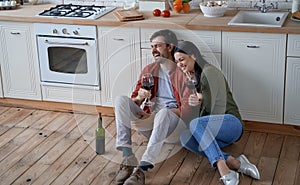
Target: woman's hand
195 100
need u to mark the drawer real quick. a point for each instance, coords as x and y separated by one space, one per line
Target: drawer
207 41
293 45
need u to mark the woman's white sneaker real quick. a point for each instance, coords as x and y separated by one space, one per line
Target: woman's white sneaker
232 178
248 168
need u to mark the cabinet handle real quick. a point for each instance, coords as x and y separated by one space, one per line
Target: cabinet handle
118 39
252 46
15 33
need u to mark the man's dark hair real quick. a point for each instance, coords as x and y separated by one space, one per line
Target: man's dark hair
169 36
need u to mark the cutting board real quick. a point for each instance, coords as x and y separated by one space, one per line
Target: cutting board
128 15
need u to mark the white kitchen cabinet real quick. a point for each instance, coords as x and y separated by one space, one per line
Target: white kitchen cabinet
208 42
19 64
292 89
120 65
254 65
1 59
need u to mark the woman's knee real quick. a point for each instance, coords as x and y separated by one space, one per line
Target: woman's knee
195 124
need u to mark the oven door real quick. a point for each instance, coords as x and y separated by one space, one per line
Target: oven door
68 60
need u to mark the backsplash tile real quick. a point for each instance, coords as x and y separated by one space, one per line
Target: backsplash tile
232 4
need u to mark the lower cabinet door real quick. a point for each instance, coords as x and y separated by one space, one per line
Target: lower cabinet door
292 92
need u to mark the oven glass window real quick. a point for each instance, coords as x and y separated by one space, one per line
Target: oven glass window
67 60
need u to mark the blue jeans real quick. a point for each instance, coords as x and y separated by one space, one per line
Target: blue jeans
208 134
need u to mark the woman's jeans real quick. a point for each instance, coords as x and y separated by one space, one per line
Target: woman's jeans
208 134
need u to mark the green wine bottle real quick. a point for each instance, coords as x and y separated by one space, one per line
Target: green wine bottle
100 137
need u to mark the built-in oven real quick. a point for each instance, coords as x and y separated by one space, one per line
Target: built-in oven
68 54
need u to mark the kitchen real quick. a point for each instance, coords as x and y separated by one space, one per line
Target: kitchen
56 97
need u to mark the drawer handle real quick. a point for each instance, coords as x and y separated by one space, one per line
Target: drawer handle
15 33
252 46
119 39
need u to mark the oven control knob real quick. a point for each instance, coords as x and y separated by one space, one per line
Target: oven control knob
54 31
76 32
65 31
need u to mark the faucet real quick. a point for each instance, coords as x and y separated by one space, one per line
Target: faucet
264 8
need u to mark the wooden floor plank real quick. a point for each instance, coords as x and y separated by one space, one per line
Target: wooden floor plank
253 150
11 117
297 180
23 137
170 166
269 159
188 168
79 163
107 175
31 157
21 126
34 171
28 146
95 166
3 109
288 161
71 140
163 156
204 173
61 163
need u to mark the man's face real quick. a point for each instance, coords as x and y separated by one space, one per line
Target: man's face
160 50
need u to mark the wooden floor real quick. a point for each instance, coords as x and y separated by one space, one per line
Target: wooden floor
46 147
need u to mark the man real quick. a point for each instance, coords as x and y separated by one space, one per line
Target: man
159 123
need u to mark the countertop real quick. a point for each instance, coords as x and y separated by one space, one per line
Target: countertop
194 20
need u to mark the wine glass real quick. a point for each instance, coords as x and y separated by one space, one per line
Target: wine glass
147 83
191 83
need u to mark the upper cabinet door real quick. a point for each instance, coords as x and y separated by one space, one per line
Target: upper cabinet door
120 65
19 67
254 65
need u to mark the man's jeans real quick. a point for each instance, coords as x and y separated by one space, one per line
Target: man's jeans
164 126
208 134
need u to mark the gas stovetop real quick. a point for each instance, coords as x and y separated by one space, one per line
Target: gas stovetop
77 11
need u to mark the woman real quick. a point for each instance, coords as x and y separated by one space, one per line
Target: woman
219 123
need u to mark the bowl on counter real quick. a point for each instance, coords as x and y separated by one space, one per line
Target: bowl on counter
213 8
5 5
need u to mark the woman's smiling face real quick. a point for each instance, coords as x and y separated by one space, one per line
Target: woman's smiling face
185 62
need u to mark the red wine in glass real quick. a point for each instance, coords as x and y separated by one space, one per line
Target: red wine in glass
147 83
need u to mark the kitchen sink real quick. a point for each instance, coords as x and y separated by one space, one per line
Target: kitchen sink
256 18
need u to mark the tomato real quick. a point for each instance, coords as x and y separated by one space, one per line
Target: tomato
166 13
156 12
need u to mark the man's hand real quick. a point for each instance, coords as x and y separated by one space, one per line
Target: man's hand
143 115
142 94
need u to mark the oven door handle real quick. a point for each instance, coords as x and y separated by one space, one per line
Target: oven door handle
67 43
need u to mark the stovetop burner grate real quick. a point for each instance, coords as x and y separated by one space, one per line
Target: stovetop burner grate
77 11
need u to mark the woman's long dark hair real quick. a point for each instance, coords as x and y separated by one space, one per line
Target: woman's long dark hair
190 49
